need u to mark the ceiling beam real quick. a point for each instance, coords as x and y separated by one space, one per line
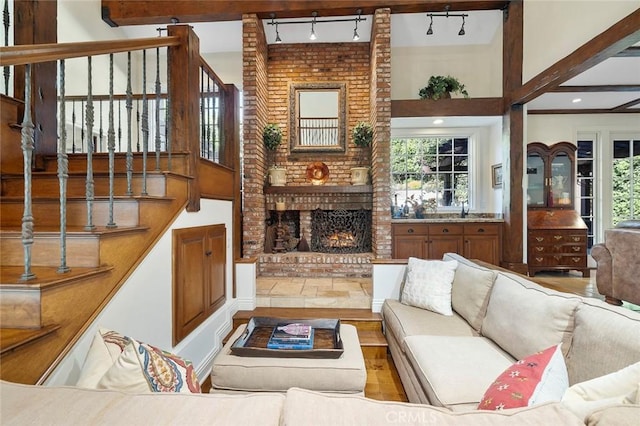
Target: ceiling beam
581 111
144 12
600 88
629 52
617 38
627 106
447 107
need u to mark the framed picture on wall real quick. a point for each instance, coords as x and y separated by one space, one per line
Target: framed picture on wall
496 175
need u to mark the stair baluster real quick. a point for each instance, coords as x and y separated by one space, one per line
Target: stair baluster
157 87
90 189
63 172
6 22
111 146
145 123
27 151
129 106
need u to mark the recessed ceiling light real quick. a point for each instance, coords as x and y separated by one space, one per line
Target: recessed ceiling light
438 121
576 100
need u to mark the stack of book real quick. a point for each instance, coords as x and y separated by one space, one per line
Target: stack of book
291 336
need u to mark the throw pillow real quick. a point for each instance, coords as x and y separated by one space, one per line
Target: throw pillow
144 368
470 292
620 387
538 378
105 348
428 284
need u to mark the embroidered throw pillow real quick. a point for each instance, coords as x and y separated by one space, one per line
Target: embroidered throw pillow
144 368
538 378
428 284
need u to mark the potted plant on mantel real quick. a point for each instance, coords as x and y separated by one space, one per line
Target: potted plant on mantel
440 86
362 136
272 138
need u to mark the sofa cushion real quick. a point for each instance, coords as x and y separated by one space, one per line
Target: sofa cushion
538 378
600 325
403 321
428 284
620 387
47 405
304 407
619 415
470 290
524 318
455 370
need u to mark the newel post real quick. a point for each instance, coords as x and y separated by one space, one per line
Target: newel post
184 82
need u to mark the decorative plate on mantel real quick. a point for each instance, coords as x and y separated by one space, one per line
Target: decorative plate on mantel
317 173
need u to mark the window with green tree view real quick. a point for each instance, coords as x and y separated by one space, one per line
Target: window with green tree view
626 180
429 173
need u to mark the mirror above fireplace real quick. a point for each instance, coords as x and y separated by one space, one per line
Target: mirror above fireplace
317 117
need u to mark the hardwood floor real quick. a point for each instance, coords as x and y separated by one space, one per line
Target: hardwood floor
383 382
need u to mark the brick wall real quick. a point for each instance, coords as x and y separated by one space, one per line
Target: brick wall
269 70
381 119
255 84
319 63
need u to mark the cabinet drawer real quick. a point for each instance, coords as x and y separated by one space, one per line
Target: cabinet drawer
481 229
556 238
568 260
410 229
445 229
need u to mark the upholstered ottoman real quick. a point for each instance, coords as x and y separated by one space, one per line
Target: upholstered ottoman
347 374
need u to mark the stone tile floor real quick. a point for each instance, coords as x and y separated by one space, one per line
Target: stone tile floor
293 292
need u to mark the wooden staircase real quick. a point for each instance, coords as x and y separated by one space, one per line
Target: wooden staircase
41 319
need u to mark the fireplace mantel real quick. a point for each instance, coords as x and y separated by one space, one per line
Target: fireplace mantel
319 189
326 197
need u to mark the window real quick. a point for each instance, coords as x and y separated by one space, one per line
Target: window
429 171
587 185
626 180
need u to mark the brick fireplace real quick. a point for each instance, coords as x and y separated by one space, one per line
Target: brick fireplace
269 72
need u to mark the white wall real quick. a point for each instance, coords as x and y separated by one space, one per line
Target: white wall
478 67
142 307
555 28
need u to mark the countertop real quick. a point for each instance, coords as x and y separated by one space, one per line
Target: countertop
453 218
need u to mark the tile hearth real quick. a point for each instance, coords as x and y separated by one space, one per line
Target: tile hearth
300 292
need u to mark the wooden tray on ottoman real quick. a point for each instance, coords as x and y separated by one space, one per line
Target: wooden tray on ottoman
253 342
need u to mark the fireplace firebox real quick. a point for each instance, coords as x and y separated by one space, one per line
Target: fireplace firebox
341 231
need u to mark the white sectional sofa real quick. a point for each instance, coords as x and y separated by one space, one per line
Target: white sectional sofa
445 363
498 318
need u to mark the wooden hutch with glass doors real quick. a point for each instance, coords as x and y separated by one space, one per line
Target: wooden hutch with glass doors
556 234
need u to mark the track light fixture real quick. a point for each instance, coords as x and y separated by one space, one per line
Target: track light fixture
446 15
314 21
313 36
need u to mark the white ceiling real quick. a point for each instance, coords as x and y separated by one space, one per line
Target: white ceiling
410 30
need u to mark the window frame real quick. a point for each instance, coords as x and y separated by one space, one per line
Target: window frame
473 172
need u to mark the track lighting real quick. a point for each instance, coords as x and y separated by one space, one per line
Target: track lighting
446 15
313 36
430 30
314 21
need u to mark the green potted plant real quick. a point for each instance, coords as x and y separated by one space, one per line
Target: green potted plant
272 138
362 135
440 86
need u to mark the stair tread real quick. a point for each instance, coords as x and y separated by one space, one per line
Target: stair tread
12 338
46 276
36 199
372 338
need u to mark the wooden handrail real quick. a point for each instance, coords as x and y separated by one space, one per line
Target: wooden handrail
37 53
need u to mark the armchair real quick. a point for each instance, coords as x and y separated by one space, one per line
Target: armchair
618 273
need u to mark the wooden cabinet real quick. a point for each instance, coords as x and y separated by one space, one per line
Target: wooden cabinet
550 175
473 240
557 240
199 278
482 242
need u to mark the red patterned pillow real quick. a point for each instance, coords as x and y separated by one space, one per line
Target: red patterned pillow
166 372
538 378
